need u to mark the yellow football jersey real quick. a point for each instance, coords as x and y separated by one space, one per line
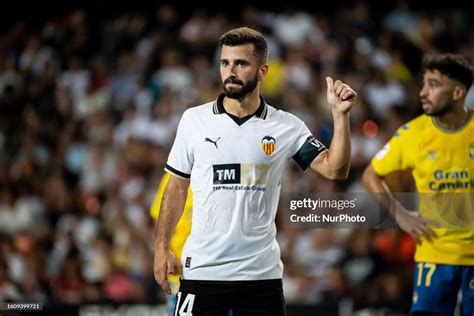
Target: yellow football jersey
183 228
442 164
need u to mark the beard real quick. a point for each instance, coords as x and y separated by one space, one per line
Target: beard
245 89
438 109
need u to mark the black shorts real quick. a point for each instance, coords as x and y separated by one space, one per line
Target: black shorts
217 298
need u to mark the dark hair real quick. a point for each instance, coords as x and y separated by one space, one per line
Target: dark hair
451 65
245 35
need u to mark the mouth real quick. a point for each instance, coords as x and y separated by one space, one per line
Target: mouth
425 104
234 82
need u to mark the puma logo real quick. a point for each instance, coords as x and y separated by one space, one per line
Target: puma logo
211 141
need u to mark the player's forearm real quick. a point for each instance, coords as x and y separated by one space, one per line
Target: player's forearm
380 192
339 155
172 207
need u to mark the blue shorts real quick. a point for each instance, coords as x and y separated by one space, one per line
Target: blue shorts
436 288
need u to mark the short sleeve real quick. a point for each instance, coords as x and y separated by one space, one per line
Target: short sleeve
395 155
180 160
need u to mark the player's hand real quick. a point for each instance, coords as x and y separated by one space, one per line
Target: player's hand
415 226
340 96
165 263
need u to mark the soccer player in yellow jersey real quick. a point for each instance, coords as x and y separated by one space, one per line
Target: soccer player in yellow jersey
179 236
438 148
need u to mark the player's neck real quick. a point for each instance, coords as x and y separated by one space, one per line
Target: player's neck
453 119
242 107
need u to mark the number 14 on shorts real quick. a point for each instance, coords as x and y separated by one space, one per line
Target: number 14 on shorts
187 308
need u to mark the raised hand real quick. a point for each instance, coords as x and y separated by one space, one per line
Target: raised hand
340 96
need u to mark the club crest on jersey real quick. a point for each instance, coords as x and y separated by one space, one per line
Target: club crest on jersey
471 151
268 145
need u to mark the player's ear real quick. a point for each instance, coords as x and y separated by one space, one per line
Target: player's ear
459 92
262 72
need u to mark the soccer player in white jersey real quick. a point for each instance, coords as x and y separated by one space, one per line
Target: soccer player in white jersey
233 152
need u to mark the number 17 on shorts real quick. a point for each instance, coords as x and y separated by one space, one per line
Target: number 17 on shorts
436 288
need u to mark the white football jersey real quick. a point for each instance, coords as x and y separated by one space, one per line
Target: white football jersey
235 165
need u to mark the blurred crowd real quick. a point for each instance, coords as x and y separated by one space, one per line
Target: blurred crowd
88 112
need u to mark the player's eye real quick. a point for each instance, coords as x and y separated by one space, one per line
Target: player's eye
432 84
241 64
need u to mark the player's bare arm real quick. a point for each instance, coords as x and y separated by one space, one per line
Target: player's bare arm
408 221
172 207
334 163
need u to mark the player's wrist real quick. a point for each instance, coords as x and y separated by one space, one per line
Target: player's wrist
340 114
163 247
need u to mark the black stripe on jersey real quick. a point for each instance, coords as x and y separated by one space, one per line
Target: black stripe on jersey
177 172
218 108
240 120
310 150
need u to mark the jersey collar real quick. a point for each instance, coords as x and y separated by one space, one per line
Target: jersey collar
464 124
218 108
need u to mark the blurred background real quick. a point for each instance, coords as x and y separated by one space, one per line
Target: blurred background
90 98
